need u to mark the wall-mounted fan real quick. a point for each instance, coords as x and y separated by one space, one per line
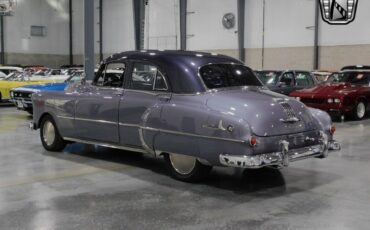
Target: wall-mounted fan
7 7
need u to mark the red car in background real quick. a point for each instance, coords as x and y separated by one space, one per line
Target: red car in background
347 93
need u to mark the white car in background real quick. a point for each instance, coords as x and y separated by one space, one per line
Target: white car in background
51 74
6 70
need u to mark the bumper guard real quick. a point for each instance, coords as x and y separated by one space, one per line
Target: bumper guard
282 158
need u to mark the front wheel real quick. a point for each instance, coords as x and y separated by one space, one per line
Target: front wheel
50 137
359 111
186 168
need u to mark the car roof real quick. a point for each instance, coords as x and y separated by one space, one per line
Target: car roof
355 70
11 67
182 67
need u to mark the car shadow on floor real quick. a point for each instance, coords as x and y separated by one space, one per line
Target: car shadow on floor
266 182
348 118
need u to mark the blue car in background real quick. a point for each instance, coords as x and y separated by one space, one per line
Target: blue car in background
22 96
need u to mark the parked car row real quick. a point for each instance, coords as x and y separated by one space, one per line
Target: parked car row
346 92
20 77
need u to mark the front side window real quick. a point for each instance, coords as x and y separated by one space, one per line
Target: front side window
268 77
303 79
112 75
147 77
287 79
227 75
76 77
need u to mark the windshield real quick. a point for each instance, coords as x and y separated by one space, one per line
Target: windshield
13 76
76 77
357 78
228 75
268 77
41 73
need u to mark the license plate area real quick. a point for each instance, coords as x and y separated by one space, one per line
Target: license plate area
20 104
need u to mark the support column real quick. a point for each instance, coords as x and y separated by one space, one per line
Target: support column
183 24
316 57
101 30
89 39
2 55
241 29
70 33
139 22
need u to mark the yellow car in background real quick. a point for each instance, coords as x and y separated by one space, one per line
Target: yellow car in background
17 79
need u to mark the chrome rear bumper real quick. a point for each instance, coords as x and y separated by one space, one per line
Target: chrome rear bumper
282 158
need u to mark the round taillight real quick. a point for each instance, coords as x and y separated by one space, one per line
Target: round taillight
253 141
333 129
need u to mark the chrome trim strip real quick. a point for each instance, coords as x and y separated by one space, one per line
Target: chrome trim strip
180 133
105 145
64 117
193 135
157 130
89 120
130 125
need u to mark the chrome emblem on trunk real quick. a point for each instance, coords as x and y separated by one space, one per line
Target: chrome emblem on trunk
338 12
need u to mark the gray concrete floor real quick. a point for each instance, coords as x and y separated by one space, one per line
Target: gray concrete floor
88 187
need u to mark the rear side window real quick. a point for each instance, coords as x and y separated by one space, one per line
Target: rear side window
147 77
227 75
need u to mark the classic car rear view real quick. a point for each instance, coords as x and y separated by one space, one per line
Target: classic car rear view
197 110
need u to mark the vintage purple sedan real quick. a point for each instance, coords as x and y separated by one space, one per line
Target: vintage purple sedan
198 110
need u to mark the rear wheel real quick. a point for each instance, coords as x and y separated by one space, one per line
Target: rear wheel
50 137
359 111
186 168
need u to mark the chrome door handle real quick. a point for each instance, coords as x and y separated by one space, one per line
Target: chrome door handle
164 98
118 93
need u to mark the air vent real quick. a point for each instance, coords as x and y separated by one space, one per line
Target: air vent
288 110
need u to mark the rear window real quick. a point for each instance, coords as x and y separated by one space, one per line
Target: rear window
227 75
356 78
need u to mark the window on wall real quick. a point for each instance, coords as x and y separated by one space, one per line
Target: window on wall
112 75
38 31
147 77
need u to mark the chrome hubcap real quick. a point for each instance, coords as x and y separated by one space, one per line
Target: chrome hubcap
361 110
48 133
182 164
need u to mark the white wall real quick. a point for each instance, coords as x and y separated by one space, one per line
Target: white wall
162 24
357 32
53 14
118 28
206 25
286 22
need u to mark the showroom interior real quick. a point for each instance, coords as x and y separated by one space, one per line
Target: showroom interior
184 114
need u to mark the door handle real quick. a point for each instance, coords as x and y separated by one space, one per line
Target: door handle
164 97
118 93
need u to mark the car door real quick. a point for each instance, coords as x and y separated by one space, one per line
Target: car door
96 116
140 107
303 80
286 83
